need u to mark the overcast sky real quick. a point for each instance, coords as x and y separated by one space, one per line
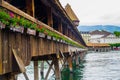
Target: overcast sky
96 12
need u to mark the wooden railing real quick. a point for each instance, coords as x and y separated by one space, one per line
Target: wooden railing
33 20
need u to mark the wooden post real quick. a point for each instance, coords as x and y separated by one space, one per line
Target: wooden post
70 62
57 69
49 16
77 60
30 7
42 70
60 26
36 70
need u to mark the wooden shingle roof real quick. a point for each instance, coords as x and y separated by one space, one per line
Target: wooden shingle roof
71 13
97 45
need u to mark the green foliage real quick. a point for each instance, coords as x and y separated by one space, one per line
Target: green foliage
22 22
13 21
117 34
4 17
115 45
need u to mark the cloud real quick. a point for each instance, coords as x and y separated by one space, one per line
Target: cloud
92 12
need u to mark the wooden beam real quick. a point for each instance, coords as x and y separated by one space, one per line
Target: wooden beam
36 76
49 65
49 70
30 7
20 63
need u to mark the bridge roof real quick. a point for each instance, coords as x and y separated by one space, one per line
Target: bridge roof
71 13
97 45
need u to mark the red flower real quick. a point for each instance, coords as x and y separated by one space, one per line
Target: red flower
40 27
11 14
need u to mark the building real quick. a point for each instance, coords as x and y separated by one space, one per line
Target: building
102 36
86 36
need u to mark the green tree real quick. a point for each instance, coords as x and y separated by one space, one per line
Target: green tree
117 33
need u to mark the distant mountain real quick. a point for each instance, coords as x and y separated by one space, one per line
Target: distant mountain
109 28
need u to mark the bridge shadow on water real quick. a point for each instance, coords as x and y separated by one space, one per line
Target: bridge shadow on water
76 74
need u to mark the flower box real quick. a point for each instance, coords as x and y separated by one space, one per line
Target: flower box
54 39
2 26
42 35
17 29
31 31
48 37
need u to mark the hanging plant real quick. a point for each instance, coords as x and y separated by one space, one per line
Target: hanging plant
4 19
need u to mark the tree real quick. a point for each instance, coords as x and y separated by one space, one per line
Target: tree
117 34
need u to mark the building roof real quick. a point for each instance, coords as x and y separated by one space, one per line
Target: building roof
71 13
100 32
97 45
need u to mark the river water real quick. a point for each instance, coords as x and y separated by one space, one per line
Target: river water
96 66
102 66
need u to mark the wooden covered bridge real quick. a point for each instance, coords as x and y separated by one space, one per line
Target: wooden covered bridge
37 30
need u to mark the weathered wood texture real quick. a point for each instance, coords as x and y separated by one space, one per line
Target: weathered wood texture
26 47
9 41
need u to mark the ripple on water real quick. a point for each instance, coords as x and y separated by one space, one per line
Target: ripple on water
102 66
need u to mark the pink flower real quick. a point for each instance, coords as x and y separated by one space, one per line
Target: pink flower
11 14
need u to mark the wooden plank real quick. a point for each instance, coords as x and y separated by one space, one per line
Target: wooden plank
33 46
24 47
18 45
19 61
11 44
1 52
5 52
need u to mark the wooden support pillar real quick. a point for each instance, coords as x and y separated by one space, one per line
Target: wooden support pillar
42 70
77 60
49 16
36 77
57 69
60 26
67 30
70 63
30 7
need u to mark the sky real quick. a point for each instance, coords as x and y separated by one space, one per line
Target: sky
95 12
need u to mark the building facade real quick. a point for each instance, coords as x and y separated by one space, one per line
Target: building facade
98 36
